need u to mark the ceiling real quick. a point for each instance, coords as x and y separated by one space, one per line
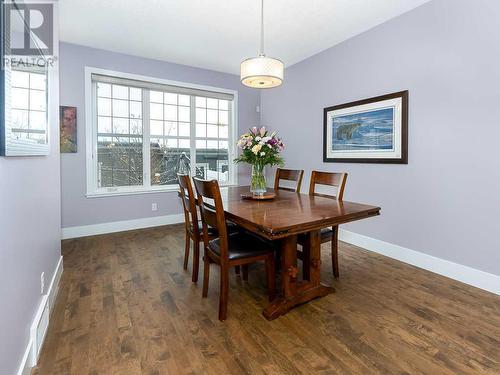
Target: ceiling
218 34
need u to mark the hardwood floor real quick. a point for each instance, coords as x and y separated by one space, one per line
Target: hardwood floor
126 306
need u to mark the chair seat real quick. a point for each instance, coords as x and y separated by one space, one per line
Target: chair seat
211 231
242 245
326 236
231 228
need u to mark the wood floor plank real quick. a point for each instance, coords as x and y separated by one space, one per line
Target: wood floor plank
126 306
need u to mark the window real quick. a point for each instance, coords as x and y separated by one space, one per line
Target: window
212 124
170 134
119 136
143 130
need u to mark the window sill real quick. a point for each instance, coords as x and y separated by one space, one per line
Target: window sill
169 189
99 194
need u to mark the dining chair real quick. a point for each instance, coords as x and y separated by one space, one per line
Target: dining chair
229 249
192 225
288 175
194 232
338 181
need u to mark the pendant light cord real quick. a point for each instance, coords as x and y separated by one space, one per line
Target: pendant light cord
262 28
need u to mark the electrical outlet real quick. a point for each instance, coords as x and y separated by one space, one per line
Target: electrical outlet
42 283
154 207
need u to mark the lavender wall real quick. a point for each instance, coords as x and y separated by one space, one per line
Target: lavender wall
30 237
77 210
446 201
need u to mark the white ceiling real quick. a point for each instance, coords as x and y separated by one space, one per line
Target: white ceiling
218 34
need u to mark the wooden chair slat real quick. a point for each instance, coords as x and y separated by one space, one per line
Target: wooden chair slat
288 175
337 180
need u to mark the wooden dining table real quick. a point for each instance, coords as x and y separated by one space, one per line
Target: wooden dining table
282 219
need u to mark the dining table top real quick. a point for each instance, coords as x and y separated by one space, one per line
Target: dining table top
290 212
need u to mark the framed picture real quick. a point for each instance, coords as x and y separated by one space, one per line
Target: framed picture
372 130
67 120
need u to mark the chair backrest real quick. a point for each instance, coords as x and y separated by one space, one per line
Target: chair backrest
212 213
188 202
289 175
337 180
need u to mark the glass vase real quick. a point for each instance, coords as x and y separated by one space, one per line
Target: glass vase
258 182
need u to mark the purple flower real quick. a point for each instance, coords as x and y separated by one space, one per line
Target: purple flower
272 141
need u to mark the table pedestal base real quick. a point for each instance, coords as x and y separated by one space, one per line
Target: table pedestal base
294 292
282 305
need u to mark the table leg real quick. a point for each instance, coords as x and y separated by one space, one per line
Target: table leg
289 266
315 258
306 259
294 292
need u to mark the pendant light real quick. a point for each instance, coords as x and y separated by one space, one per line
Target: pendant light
262 72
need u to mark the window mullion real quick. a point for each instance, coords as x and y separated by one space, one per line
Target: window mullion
231 143
95 160
146 142
192 120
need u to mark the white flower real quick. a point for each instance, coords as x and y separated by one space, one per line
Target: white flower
265 139
262 153
258 138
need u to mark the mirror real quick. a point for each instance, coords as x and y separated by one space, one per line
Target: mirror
23 100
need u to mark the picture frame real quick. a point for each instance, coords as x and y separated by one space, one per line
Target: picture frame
373 130
68 129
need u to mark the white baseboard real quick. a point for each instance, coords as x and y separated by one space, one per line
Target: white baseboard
54 284
34 346
120 226
25 366
467 275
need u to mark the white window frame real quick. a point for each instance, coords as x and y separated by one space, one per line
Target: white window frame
91 134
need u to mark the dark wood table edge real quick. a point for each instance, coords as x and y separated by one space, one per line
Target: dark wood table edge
283 232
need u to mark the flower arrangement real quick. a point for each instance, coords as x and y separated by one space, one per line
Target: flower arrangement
259 148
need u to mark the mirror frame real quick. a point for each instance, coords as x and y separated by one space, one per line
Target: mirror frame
8 145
